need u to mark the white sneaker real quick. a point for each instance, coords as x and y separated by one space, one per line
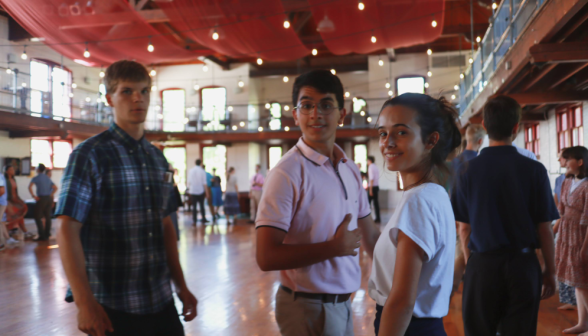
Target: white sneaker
11 241
28 235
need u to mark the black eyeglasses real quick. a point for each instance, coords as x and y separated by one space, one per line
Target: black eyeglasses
324 108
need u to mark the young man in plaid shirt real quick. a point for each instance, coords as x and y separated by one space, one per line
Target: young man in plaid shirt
117 241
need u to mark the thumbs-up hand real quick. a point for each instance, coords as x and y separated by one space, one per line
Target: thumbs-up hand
347 241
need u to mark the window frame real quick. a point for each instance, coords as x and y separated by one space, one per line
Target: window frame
51 64
367 154
51 142
396 93
532 142
565 128
268 154
227 116
161 122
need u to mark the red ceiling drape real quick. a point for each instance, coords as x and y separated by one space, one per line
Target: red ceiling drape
242 32
108 25
395 23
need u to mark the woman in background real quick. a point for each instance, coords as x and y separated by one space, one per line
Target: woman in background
16 209
231 206
217 193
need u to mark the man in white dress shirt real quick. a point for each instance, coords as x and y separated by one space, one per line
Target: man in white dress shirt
198 190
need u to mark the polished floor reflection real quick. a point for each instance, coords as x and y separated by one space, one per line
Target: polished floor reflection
235 297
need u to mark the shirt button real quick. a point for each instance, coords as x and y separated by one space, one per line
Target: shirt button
146 188
148 210
144 165
150 234
131 152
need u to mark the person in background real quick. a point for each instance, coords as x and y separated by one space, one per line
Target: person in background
567 294
373 174
198 188
43 209
117 242
174 202
3 203
17 208
257 181
209 192
217 193
504 203
412 273
571 252
231 205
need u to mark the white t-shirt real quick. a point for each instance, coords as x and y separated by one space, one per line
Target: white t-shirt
425 216
196 181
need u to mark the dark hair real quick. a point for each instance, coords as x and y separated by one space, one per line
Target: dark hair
125 70
501 115
198 162
41 168
321 80
433 115
578 153
372 158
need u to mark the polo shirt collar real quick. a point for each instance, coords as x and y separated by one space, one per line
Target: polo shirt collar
123 137
501 150
317 158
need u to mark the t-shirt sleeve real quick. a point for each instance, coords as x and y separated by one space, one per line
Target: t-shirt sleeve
77 186
459 199
543 205
278 200
417 221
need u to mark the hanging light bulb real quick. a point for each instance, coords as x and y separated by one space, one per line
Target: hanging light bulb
286 79
259 61
260 129
426 85
314 52
369 119
471 60
429 52
24 53
205 68
347 94
242 124
286 108
101 73
153 73
153 88
286 24
355 99
456 87
234 127
215 35
333 71
150 47
87 52
461 76
286 128
381 63
8 71
88 99
196 87
478 39
390 93
360 5
362 113
387 85
452 97
241 83
494 5
429 73
434 22
267 106
374 39
74 85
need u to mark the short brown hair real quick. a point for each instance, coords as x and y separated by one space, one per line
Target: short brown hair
501 115
125 70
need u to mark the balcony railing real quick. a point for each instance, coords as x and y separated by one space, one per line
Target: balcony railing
508 21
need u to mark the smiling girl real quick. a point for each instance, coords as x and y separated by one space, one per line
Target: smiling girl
412 271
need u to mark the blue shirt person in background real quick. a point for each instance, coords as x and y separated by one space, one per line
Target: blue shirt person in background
44 208
117 242
504 203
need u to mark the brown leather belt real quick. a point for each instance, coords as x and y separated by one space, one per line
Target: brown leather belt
325 298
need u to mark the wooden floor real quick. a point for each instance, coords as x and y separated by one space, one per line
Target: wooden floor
235 297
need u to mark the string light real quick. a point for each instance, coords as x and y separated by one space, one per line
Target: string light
267 106
429 73
456 87
153 73
234 127
452 97
478 39
434 22
196 87
362 113
347 94
374 39
24 53
494 5
153 88
429 52
242 124
150 47
260 129
87 52
88 99
355 99
286 128
286 24
24 84
286 108
205 68
101 73
8 71
369 119
426 85
461 76
215 35
241 83
286 79
387 85
333 71
74 85
360 5
314 52
230 109
390 93
259 61
471 60
381 63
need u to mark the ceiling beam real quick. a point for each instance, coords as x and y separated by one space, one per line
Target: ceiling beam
573 69
549 97
534 116
140 4
568 15
294 70
565 52
111 19
542 73
38 134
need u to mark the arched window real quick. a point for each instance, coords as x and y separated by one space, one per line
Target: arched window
214 106
275 116
174 109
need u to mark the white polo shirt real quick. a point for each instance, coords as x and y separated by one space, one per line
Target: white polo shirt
196 181
308 198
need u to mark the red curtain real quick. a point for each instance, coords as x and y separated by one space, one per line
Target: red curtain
242 33
394 23
110 27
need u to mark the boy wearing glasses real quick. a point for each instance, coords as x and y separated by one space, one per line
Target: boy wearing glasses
312 215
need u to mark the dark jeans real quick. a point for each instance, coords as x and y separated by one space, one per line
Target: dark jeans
501 289
417 327
43 210
375 192
164 323
198 200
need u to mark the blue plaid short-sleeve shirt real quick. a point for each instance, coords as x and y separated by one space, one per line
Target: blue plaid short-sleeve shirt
117 188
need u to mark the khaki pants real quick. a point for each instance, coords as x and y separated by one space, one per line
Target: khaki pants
254 203
309 317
